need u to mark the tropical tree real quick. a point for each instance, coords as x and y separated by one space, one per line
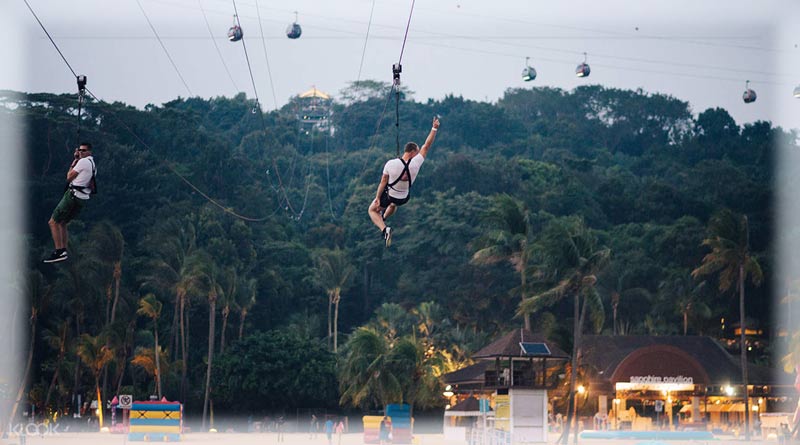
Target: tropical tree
159 366
509 239
150 307
245 300
176 269
365 380
686 295
571 258
211 283
333 272
95 354
57 340
620 293
107 247
227 300
730 258
38 292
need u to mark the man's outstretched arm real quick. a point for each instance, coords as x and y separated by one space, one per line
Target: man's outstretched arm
429 140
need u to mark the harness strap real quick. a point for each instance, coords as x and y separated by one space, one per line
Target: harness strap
85 188
400 178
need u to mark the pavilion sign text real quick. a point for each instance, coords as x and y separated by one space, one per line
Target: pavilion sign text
649 379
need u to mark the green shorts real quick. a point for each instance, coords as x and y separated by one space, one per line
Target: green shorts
68 208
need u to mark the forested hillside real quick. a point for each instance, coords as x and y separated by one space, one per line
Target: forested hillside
640 174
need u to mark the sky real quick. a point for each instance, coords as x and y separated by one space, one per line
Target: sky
702 52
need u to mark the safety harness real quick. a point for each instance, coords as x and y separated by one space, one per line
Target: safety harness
405 172
90 189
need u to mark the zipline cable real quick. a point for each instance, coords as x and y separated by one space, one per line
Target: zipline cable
51 39
82 80
153 28
176 173
219 53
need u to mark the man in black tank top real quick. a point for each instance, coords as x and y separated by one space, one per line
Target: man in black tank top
395 187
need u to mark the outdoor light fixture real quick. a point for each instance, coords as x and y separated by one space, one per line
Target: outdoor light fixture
581 389
616 401
729 390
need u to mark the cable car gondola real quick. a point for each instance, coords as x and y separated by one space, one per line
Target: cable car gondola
797 92
294 30
749 95
528 73
235 32
583 69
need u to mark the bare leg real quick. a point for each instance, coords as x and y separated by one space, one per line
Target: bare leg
389 211
375 215
55 232
63 235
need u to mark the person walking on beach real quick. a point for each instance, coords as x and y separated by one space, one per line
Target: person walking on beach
339 432
329 430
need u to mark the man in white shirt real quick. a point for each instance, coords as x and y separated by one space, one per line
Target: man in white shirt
81 185
395 187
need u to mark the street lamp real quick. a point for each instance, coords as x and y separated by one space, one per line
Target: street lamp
448 391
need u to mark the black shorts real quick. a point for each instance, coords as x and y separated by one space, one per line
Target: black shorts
386 199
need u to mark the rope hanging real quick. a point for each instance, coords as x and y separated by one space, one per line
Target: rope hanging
81 97
396 70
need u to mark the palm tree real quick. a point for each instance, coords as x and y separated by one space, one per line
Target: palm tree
106 247
245 300
681 289
364 378
160 369
38 292
572 259
509 239
621 292
729 241
333 272
374 371
150 307
176 269
227 298
391 320
57 340
213 289
95 354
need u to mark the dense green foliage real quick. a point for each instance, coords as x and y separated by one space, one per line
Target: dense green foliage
639 171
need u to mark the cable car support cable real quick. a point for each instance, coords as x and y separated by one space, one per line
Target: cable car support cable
264 45
214 41
164 48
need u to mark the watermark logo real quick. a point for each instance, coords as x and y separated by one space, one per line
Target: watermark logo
34 429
